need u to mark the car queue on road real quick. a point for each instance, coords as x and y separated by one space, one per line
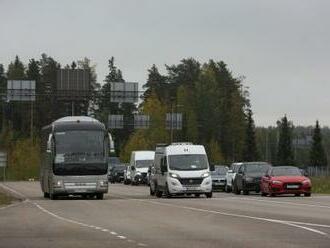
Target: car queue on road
183 169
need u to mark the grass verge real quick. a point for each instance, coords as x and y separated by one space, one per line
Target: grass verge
4 199
321 185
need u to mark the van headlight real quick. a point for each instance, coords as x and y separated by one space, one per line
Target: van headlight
174 175
206 174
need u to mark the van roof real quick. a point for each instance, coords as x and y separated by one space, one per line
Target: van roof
144 155
185 149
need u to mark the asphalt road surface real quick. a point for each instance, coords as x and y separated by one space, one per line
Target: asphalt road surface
129 217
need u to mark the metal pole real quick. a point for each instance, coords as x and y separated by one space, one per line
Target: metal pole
72 108
31 122
4 174
171 122
3 116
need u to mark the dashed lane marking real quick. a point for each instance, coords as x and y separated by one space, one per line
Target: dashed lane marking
67 219
272 201
283 222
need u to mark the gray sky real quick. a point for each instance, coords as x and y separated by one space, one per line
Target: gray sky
281 47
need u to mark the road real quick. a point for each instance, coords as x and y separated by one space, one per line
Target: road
129 217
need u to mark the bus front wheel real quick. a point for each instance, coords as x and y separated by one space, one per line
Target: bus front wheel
99 196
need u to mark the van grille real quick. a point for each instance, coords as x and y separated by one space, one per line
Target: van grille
191 181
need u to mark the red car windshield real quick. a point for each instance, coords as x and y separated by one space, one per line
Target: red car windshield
286 171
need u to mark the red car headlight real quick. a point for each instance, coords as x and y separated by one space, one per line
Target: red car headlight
307 182
276 182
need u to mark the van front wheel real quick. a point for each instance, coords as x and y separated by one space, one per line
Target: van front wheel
158 193
209 195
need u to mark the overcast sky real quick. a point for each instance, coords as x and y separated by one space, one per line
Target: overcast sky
281 47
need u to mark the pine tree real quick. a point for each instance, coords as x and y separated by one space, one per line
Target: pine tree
155 83
284 150
250 151
16 70
317 153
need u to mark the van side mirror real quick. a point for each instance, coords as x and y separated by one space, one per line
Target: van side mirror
163 168
133 168
212 167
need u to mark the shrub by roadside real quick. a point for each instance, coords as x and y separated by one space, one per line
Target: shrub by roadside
4 199
321 185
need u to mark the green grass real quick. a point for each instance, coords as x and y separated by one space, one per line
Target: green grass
4 199
321 185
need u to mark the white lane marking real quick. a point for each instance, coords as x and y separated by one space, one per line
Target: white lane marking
284 222
62 218
13 205
142 244
272 201
12 190
306 228
309 224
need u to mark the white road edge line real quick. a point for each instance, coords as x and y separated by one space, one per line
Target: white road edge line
272 201
284 222
62 218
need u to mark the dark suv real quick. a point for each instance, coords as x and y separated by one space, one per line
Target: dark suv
248 177
116 173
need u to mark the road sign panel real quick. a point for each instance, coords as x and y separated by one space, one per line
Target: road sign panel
21 90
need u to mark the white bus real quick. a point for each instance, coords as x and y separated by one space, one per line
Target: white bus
75 152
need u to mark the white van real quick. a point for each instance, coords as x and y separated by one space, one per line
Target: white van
139 165
181 168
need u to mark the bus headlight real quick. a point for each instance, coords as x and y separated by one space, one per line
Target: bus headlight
58 184
103 183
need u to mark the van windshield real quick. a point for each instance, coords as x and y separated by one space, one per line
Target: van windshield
188 162
143 163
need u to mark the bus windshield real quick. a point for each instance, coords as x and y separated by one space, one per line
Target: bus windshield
79 146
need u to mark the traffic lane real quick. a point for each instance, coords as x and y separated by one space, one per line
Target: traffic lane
26 226
257 206
162 226
132 215
138 219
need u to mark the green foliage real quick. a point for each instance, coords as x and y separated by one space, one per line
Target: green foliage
155 83
148 138
284 152
214 153
5 199
23 156
250 151
16 70
317 154
321 185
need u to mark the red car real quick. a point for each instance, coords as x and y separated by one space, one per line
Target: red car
285 180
